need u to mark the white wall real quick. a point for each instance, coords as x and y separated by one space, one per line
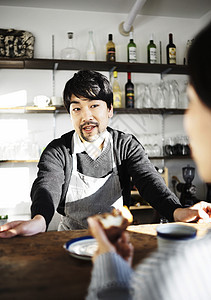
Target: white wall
44 23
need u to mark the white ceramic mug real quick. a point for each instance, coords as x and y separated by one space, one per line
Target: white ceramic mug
57 101
170 234
41 101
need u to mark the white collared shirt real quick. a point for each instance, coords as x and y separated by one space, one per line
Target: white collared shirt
91 148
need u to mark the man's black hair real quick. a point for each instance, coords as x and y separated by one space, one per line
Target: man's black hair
88 84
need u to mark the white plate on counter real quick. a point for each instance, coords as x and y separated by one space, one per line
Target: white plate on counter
82 247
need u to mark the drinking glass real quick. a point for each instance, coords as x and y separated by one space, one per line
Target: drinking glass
173 94
183 99
160 98
147 101
140 87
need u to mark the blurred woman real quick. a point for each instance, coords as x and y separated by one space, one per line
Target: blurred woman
180 273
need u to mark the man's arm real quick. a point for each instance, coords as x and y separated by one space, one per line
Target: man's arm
47 188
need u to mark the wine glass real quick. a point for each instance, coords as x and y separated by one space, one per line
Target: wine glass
160 98
139 95
147 101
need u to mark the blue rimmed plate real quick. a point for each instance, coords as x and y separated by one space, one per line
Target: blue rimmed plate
82 247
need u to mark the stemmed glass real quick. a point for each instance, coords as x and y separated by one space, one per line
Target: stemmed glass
147 101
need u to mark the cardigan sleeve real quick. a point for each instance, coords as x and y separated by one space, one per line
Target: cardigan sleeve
111 278
149 182
47 188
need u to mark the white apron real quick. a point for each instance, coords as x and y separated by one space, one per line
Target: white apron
88 196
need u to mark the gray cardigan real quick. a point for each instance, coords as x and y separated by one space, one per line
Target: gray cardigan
55 167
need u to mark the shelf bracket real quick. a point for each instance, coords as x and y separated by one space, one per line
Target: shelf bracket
111 72
165 72
55 67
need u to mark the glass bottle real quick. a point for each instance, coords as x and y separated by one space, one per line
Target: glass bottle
117 94
151 52
129 92
171 51
131 49
110 49
185 61
70 52
90 52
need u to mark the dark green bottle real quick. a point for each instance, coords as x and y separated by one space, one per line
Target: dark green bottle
151 52
131 50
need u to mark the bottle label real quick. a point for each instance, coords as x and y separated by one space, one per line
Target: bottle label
111 54
130 97
172 55
117 100
153 55
91 55
132 54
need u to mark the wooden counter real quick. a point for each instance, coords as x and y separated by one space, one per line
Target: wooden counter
38 267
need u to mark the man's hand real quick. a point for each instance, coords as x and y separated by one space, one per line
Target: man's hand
122 246
199 212
24 228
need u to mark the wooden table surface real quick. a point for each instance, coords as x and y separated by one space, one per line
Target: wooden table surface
38 267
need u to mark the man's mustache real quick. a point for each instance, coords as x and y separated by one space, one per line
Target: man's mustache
88 123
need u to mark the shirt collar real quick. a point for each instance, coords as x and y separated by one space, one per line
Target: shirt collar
92 149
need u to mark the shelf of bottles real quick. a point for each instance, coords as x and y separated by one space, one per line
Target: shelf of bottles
62 64
61 109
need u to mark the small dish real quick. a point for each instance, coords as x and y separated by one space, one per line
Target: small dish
82 247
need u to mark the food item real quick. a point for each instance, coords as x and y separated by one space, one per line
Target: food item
116 222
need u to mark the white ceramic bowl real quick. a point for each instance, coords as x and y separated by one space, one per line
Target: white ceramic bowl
169 234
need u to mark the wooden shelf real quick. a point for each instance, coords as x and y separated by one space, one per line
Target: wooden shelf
151 157
60 64
19 161
154 111
32 109
61 109
140 207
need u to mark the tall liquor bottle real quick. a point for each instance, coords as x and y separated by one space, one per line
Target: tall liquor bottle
129 92
110 49
90 52
117 94
171 51
131 49
151 52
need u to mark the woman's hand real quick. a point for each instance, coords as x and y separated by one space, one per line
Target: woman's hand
122 246
199 212
24 228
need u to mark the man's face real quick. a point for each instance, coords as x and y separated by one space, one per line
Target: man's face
89 117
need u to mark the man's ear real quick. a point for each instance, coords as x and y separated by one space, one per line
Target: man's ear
110 111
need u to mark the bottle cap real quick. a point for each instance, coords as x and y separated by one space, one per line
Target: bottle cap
70 35
131 35
151 37
110 36
115 74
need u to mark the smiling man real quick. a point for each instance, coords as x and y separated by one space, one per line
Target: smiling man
88 170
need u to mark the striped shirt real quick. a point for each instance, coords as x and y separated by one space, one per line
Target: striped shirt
168 274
